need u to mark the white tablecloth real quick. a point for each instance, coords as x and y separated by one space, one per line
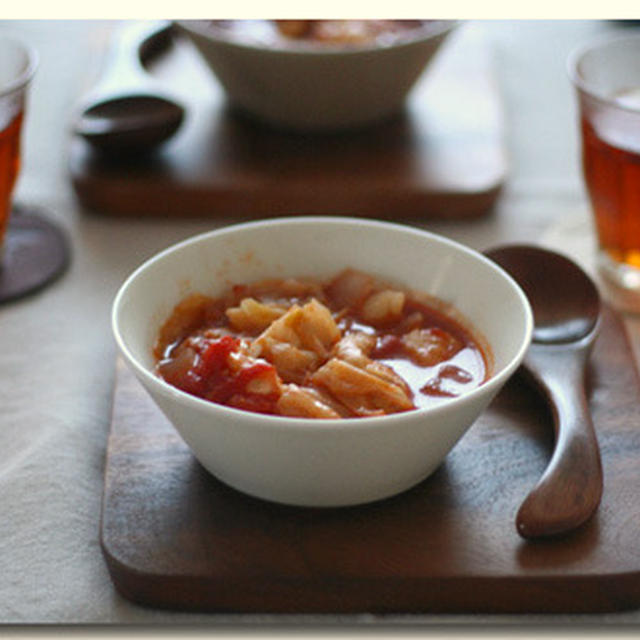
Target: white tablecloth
57 353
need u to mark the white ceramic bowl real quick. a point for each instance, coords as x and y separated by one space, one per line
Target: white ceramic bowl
321 462
316 88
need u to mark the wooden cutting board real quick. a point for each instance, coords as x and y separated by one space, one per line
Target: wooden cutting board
444 157
175 537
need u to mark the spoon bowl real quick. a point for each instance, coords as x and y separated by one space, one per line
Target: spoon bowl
129 123
566 309
547 276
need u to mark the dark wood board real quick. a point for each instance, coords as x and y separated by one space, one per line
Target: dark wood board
443 157
175 537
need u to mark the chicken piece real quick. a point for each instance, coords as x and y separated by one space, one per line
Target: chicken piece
355 348
298 342
191 313
294 28
252 316
361 391
309 327
305 402
383 307
346 31
429 347
350 288
292 363
279 292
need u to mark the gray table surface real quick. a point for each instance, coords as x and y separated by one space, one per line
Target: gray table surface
57 362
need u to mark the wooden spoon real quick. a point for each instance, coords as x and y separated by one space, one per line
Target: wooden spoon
566 310
126 112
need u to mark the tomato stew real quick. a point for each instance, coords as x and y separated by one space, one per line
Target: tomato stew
353 346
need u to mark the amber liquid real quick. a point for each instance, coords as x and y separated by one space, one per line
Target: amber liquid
9 167
612 176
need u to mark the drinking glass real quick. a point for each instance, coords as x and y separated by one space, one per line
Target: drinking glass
17 66
606 77
33 249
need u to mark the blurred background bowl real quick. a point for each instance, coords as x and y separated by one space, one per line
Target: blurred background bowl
321 462
317 87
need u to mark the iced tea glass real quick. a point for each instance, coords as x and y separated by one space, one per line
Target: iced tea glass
17 66
606 76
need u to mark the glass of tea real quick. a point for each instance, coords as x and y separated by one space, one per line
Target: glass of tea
606 76
17 66
33 249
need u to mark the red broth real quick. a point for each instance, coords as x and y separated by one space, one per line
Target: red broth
352 346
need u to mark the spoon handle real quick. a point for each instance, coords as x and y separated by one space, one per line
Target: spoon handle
570 489
122 66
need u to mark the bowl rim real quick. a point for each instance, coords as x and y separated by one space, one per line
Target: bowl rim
496 380
213 33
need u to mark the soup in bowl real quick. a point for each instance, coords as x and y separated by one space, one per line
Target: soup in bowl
321 361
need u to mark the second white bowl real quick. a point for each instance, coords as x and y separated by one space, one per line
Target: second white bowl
316 89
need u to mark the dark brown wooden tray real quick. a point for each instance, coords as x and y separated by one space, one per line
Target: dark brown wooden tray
175 537
444 157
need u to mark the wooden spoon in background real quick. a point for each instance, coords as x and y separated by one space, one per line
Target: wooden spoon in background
127 113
